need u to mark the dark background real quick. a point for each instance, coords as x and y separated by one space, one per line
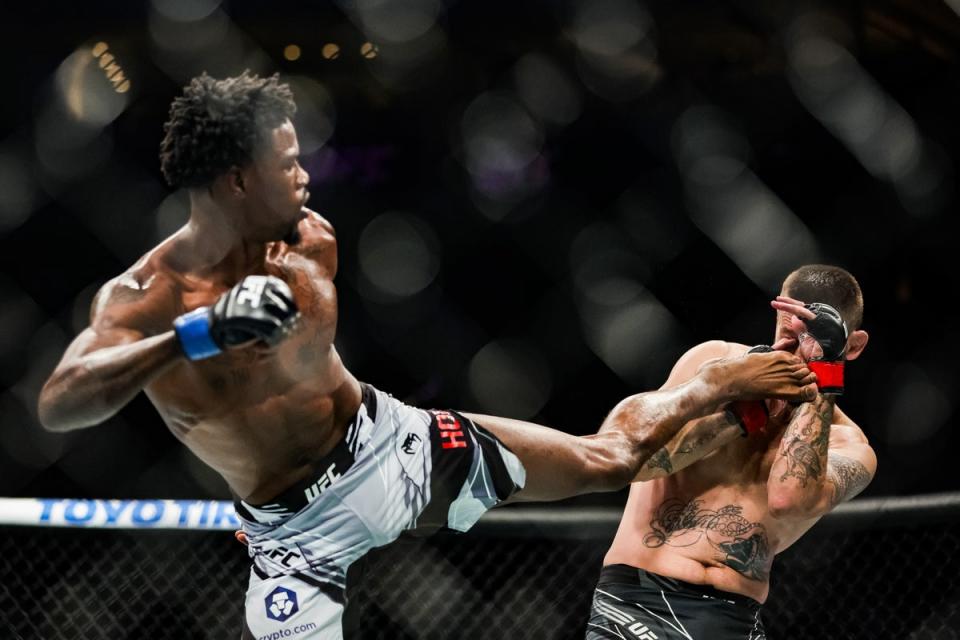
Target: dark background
539 205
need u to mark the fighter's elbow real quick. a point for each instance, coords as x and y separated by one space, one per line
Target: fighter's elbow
51 413
58 420
784 505
56 412
50 418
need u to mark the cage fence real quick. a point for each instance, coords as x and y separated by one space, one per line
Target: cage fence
887 568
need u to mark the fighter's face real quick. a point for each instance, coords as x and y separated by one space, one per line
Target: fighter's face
790 335
788 331
276 184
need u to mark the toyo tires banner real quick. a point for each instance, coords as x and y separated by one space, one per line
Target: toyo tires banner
119 514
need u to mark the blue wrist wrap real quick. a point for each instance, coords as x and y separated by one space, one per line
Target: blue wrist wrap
193 331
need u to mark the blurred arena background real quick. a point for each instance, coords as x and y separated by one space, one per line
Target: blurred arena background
539 207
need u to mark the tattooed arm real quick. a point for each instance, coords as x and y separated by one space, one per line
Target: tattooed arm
851 462
698 437
823 460
693 442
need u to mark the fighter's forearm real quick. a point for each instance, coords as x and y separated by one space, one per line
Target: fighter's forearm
694 441
86 390
798 473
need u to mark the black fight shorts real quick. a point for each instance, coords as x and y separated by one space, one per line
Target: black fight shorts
633 604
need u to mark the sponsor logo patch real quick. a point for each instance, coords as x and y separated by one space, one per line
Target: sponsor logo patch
451 432
411 443
281 604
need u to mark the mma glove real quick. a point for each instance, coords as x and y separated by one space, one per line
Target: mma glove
751 415
830 332
258 308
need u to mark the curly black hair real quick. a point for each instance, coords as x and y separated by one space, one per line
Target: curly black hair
217 124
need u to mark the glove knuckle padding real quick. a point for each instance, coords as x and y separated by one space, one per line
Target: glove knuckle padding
828 329
257 308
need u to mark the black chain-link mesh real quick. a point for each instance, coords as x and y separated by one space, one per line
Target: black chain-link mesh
901 582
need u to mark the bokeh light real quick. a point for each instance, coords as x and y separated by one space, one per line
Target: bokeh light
398 255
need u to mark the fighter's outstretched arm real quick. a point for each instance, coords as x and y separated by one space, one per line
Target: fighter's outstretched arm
107 364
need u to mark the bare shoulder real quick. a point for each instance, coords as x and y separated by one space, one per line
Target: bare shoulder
841 418
690 362
315 227
316 240
844 434
712 349
141 298
312 257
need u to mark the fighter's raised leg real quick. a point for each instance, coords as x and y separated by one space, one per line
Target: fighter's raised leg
560 465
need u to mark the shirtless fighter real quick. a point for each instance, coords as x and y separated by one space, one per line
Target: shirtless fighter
692 556
228 326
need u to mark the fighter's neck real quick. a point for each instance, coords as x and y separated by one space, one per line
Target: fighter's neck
211 243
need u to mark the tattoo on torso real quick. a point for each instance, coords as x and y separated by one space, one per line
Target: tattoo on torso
741 545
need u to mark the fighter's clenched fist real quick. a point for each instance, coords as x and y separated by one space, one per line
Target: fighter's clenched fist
257 309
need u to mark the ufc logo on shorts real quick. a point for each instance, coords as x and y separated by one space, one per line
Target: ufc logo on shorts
252 291
451 433
641 631
284 556
322 484
636 627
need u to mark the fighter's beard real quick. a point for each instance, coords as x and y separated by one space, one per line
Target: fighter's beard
293 236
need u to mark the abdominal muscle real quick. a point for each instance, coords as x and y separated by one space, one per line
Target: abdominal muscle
262 433
717 537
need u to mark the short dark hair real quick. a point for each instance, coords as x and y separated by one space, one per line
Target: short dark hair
217 124
830 285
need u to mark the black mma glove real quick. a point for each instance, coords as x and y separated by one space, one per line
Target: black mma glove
830 332
751 415
258 308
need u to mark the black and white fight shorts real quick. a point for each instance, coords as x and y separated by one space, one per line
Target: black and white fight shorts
633 604
398 469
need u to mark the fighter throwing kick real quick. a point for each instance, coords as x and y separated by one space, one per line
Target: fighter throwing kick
228 326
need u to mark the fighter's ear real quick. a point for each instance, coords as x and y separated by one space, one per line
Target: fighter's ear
856 343
232 183
236 182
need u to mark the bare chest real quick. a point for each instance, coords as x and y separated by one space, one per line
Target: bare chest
741 465
721 499
240 380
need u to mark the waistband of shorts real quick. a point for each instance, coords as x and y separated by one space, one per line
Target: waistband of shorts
325 471
623 573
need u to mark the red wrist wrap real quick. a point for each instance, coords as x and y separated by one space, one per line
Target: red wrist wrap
829 376
751 414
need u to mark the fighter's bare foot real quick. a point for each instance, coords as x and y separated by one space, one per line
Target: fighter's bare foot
755 376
